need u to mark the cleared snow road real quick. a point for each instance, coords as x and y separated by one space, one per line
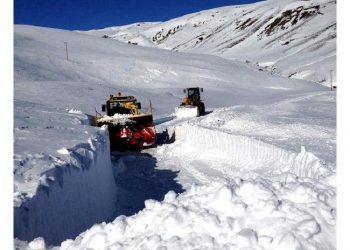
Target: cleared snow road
138 179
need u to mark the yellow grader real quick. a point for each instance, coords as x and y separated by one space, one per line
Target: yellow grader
191 105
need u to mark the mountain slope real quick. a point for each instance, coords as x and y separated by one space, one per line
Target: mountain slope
103 66
270 148
291 38
48 87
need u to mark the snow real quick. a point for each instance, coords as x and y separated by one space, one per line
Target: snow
248 153
37 244
257 171
68 196
265 197
291 38
116 119
239 214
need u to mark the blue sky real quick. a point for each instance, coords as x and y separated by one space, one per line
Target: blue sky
92 14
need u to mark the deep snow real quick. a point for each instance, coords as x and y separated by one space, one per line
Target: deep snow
291 38
70 195
257 171
251 214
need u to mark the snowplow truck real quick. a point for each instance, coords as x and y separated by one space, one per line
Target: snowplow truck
191 105
128 127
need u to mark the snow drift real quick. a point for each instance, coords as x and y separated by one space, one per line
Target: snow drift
239 214
72 196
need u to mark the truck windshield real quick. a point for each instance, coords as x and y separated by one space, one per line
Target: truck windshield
118 108
193 93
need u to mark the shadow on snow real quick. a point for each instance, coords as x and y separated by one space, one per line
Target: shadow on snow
138 179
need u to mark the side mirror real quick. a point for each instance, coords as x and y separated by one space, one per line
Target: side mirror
103 107
201 89
139 105
184 91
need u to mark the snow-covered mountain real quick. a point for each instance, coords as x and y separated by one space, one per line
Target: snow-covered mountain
291 38
258 171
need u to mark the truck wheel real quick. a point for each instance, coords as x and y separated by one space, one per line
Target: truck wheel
201 109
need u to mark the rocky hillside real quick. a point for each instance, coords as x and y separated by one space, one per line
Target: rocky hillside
291 38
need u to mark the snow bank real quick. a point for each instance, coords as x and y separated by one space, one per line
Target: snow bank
241 214
246 153
72 195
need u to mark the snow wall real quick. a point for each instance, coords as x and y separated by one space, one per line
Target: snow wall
245 153
74 196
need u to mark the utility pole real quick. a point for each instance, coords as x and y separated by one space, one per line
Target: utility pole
66 50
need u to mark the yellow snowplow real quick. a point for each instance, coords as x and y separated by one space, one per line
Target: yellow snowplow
191 105
127 126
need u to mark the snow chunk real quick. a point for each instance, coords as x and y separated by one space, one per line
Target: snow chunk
63 151
75 111
307 164
251 192
37 244
247 238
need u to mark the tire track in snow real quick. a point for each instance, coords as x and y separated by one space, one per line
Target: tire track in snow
167 158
